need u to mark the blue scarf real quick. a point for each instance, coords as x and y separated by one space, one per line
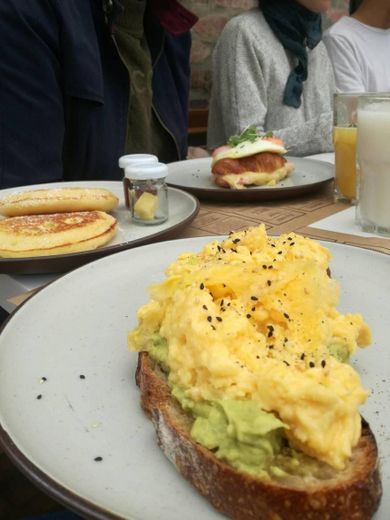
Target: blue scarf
296 28
353 5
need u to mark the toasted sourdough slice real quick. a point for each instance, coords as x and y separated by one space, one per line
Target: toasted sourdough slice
353 493
57 233
57 200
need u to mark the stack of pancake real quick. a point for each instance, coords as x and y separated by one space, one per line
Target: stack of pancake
56 221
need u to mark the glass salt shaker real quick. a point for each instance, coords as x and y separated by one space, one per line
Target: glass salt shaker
129 160
148 194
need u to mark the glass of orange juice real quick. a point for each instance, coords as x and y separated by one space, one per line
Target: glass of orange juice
344 140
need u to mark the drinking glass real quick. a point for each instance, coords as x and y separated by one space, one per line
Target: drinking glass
373 155
344 141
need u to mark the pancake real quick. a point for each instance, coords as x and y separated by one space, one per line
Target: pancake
57 200
58 233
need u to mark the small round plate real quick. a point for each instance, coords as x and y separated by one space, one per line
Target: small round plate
194 175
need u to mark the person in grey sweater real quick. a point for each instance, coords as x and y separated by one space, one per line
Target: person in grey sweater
271 69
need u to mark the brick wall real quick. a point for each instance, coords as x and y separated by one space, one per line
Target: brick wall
213 14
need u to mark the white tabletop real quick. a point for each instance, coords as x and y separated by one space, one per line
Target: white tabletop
12 286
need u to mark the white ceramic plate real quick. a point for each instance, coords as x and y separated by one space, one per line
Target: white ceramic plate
194 175
183 208
78 326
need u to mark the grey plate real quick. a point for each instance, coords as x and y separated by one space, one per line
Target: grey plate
194 175
183 208
79 325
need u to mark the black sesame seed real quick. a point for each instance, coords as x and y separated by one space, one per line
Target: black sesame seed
264 267
209 318
323 363
285 340
270 267
201 286
248 316
218 318
280 252
312 364
98 459
286 315
253 309
39 396
82 376
270 347
257 357
302 356
254 298
233 250
236 240
289 238
292 243
269 282
205 307
288 364
212 326
43 379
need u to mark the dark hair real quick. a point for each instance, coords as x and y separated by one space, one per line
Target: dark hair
353 5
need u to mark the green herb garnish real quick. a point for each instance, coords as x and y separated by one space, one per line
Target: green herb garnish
249 134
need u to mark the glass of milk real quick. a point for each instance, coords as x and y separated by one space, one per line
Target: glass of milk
373 156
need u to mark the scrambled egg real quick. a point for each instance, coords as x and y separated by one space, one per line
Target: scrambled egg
255 317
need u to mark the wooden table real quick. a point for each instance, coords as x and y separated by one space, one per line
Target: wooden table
279 217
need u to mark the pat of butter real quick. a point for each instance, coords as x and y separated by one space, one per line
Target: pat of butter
146 205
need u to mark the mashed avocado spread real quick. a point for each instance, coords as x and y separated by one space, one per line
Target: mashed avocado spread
159 351
339 351
254 319
239 432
